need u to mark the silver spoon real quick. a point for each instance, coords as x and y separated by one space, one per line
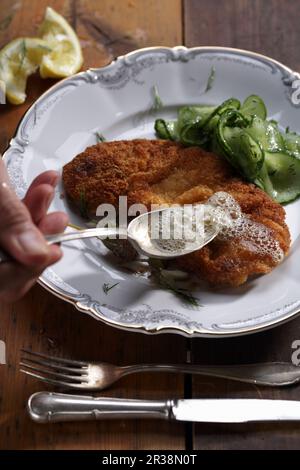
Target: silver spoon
138 234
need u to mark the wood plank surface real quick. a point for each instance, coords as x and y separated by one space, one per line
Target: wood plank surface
269 27
44 323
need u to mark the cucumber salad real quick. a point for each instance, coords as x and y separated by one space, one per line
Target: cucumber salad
241 133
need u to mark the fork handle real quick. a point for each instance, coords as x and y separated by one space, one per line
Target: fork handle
45 407
269 374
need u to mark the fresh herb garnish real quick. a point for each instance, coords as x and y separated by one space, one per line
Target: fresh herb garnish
292 169
106 287
165 281
44 48
147 115
100 137
211 79
157 103
83 205
34 114
23 52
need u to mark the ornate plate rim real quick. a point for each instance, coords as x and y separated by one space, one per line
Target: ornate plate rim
88 75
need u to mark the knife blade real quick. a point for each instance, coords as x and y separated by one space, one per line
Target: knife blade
46 407
235 410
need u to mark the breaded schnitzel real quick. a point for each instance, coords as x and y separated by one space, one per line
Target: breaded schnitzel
160 172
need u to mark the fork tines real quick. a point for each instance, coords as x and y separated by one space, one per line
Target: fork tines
65 373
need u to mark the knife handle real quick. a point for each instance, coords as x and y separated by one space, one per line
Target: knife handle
45 407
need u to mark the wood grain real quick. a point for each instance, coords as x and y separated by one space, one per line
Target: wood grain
118 26
269 27
272 345
42 322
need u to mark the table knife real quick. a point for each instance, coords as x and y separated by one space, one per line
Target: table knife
44 407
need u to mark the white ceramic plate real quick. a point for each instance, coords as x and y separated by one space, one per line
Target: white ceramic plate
117 101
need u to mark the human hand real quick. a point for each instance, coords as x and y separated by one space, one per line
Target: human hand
22 225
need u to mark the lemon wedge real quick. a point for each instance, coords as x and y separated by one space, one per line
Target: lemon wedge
65 57
57 53
19 59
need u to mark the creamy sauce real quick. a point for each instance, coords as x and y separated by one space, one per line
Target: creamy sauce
178 228
233 224
185 228
182 229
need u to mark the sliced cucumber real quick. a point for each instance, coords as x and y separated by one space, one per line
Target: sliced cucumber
193 114
284 173
240 149
194 135
188 117
166 129
199 133
292 143
191 120
255 147
267 134
254 106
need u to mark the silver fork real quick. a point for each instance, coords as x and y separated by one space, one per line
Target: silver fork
70 374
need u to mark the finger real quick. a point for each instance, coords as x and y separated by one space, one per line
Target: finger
55 255
18 234
38 200
16 280
48 177
3 173
55 222
40 193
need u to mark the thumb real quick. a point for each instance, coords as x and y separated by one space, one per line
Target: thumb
18 234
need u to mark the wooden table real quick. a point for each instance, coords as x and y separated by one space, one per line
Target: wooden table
109 28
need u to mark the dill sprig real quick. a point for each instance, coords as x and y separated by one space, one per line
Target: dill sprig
210 80
292 169
45 48
165 281
100 137
23 52
157 102
83 205
106 287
